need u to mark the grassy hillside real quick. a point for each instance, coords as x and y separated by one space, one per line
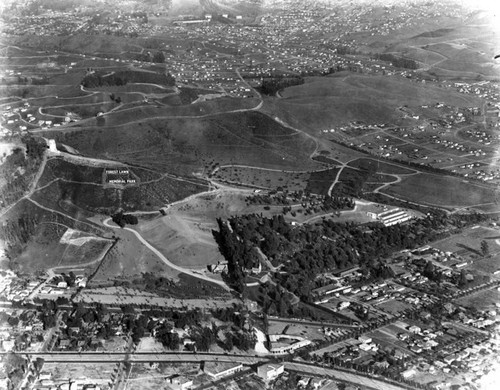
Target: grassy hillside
325 102
184 146
428 189
67 187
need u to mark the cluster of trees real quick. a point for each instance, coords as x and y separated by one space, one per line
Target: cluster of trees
95 80
116 99
203 337
158 57
273 84
311 204
123 219
19 167
241 340
337 203
231 314
166 335
17 232
397 61
308 250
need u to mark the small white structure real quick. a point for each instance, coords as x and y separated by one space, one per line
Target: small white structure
53 146
221 370
408 373
180 383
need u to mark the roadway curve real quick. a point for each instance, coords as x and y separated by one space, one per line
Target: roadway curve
165 260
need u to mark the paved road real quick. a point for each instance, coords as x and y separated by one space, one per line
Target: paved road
344 376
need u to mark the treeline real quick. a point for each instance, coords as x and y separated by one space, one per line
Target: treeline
157 58
18 169
17 232
124 219
273 84
95 80
308 250
398 62
310 203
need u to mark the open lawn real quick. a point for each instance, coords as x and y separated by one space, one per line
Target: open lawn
319 182
428 188
322 103
129 258
379 166
264 178
68 101
468 243
73 249
99 373
88 110
186 241
482 300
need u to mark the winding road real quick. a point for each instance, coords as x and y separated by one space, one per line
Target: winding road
167 261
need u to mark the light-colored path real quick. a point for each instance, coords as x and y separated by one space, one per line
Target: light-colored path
165 260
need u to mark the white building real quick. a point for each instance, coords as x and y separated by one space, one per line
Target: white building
180 383
221 370
390 217
52 146
268 372
281 348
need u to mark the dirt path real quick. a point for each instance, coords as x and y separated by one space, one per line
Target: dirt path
165 260
32 187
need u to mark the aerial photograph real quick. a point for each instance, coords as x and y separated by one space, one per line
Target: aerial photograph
249 194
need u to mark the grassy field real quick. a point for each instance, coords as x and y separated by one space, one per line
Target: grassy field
263 178
45 251
322 103
184 235
88 110
37 91
128 259
326 160
144 88
468 246
483 300
319 182
428 189
370 164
